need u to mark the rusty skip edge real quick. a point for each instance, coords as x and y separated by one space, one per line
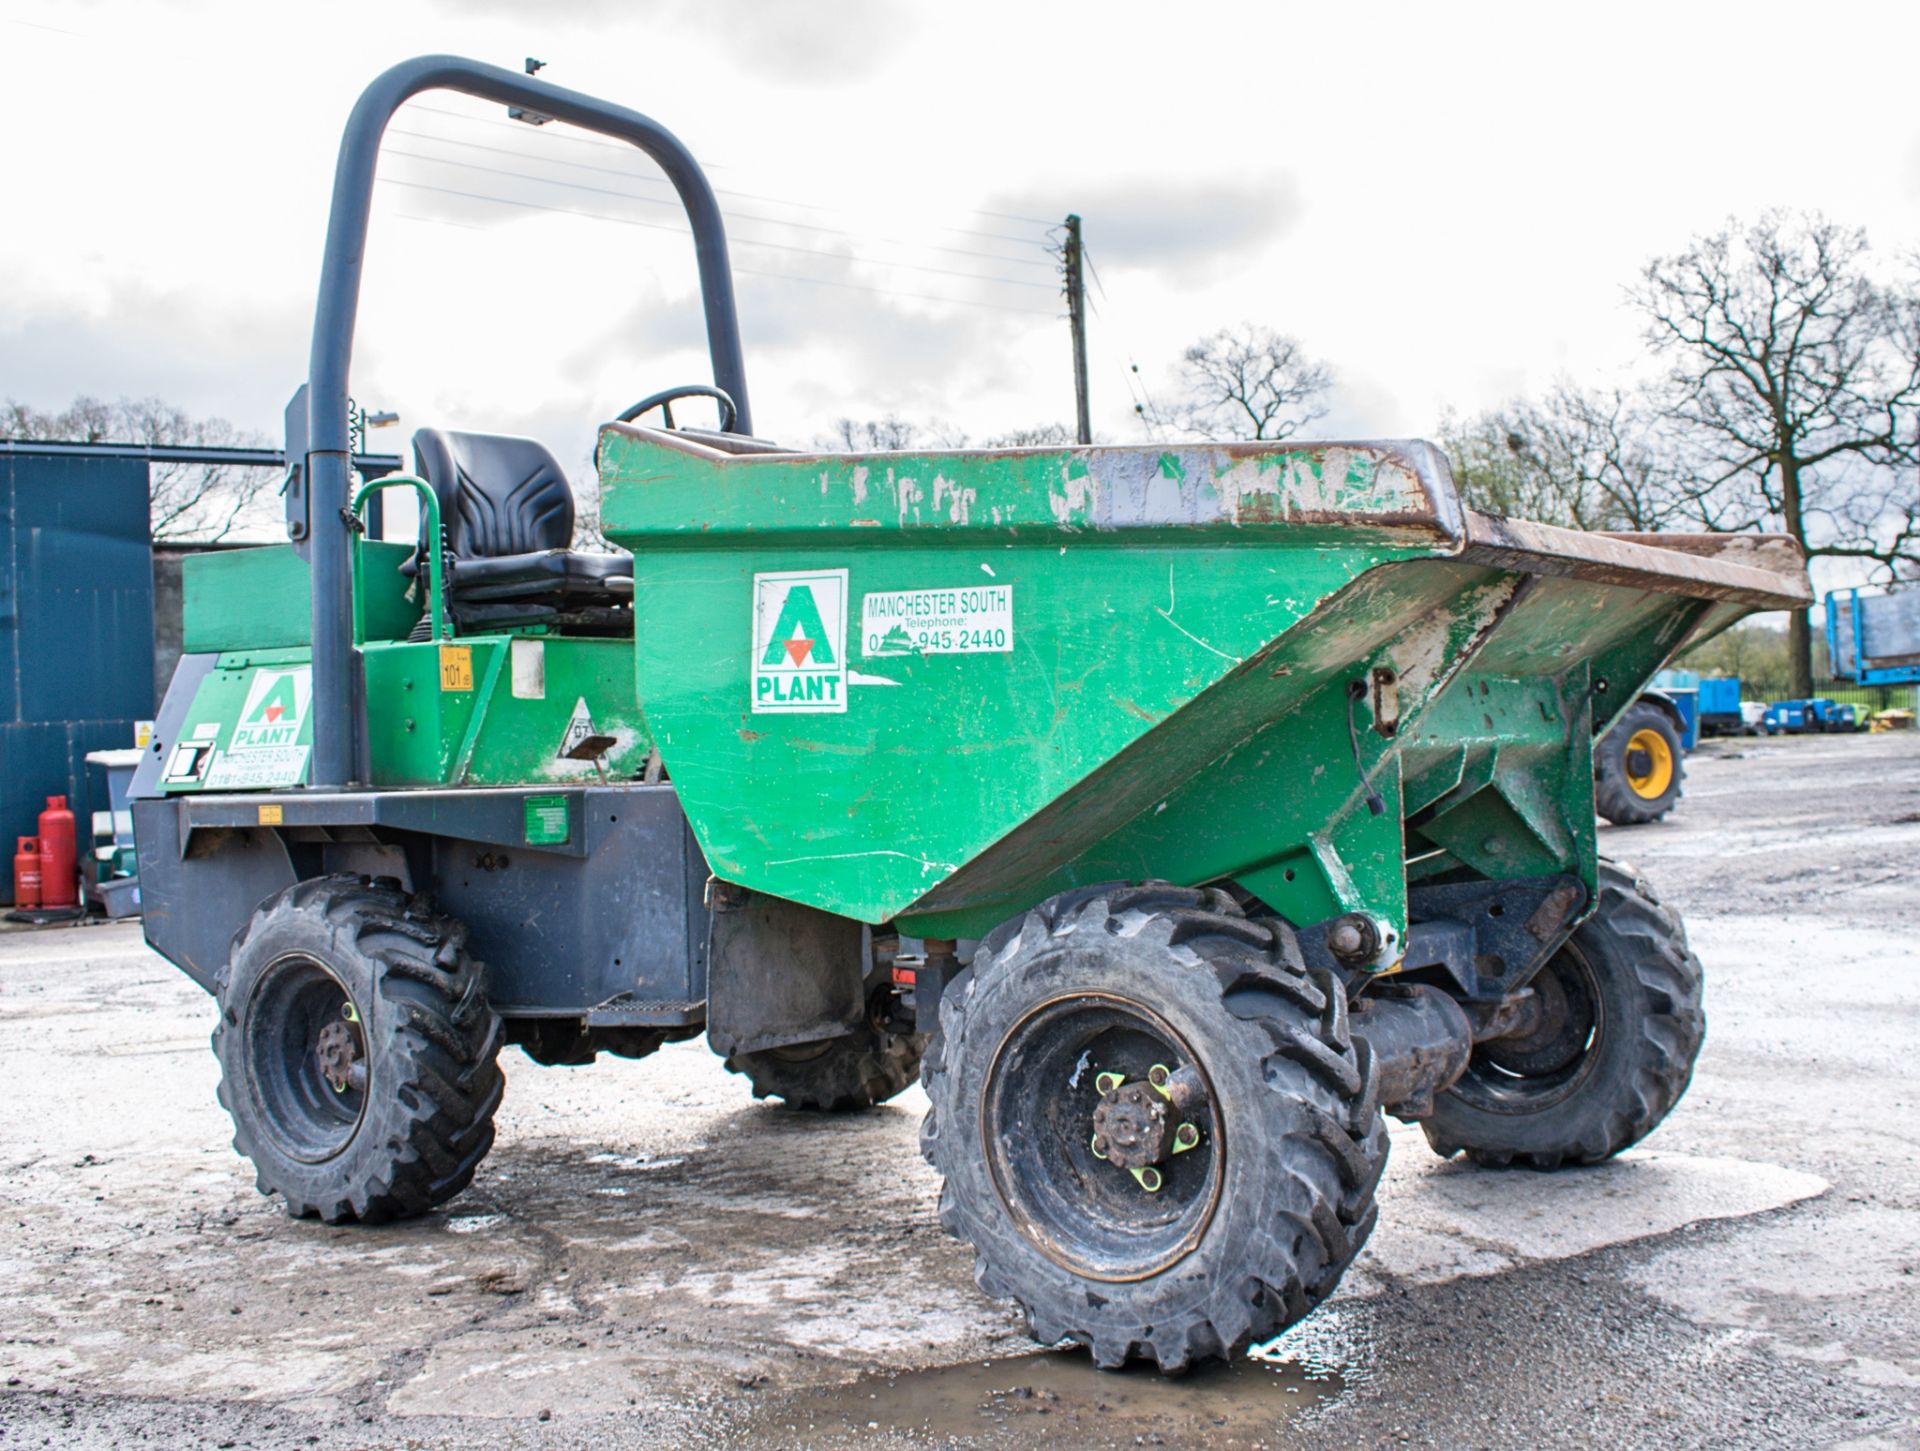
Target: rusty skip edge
1118 481
1762 571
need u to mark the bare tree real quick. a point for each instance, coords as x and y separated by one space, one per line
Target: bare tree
1245 382
205 503
1040 435
1586 459
891 434
1794 376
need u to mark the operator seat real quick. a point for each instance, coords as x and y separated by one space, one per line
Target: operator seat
507 510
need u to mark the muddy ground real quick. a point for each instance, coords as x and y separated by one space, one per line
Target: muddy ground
649 1257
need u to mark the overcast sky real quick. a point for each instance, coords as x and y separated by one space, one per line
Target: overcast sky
1444 202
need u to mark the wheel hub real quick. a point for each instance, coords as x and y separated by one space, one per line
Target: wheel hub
340 1053
1108 1161
1131 1127
1138 1126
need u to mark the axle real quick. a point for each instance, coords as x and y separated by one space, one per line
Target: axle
1422 1039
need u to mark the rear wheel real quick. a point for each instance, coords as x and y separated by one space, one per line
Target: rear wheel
1617 1029
357 1051
838 1075
1638 770
1154 1127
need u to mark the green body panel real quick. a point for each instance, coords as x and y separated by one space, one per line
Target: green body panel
1164 689
509 726
477 722
260 599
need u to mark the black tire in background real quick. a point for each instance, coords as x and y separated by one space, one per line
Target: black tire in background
358 970
838 1075
1623 1027
1247 1231
1616 796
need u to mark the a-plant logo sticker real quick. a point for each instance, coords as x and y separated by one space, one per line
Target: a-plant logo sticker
276 708
800 641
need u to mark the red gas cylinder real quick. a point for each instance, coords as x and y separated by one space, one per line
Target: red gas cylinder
59 877
26 872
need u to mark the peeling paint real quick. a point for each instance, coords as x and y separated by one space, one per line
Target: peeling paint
959 499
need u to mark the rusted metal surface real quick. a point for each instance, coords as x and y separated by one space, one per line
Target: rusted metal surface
1401 487
341 1056
1421 1041
1135 1126
1768 575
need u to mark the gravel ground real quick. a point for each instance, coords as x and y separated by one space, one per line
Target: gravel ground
651 1258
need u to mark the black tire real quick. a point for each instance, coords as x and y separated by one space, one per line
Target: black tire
1245 1242
837 1075
362 959
1609 1064
1614 795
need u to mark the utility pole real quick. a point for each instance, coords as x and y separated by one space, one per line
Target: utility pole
1073 258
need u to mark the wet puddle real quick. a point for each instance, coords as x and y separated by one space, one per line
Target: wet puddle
1058 1397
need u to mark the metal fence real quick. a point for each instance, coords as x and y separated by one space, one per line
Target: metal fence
1846 692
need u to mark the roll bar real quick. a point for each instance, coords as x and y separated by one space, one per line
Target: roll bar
323 521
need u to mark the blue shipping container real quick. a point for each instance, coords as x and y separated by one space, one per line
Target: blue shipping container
76 627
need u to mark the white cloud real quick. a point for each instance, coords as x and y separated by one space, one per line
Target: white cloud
1445 204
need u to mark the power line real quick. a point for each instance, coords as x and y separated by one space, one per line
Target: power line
895 292
663 227
739 241
626 150
1143 404
675 203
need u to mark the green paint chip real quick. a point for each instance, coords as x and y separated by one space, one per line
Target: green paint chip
546 820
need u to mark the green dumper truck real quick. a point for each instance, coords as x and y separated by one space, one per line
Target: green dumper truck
1172 813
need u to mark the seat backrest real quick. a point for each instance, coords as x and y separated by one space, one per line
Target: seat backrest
498 495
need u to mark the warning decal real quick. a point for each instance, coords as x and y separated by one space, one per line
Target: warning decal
579 732
965 621
800 641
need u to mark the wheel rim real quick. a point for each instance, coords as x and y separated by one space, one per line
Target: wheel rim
307 1058
1078 1207
1649 763
1546 1067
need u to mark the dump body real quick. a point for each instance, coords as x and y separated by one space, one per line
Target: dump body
936 688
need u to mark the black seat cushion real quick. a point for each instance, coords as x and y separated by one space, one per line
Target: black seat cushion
562 571
507 510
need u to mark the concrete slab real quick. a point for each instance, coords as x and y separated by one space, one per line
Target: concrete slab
1441 1220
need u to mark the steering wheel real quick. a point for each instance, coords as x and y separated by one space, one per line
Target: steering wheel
663 400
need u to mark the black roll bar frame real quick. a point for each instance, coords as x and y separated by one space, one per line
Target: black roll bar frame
325 447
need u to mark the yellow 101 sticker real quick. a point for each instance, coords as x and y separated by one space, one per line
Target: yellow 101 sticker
456 667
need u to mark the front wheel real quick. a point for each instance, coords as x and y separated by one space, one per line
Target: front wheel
1617 1027
357 1051
1154 1126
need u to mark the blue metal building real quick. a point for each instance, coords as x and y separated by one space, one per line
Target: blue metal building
76 626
